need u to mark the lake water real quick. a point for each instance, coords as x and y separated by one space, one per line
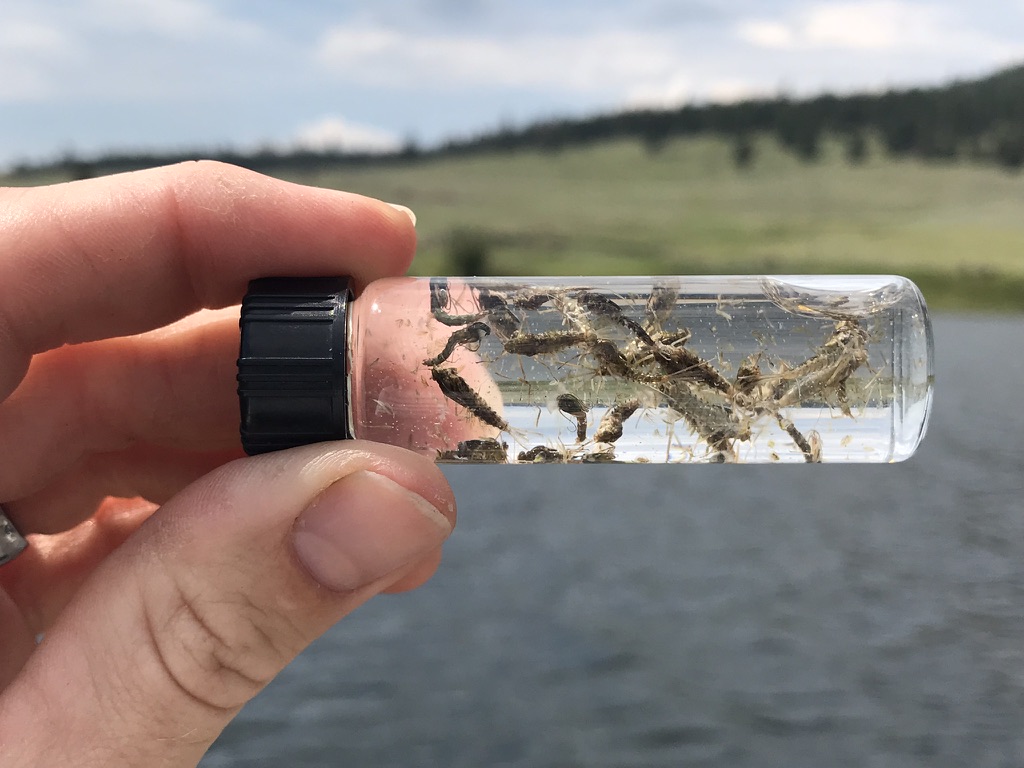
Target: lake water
700 615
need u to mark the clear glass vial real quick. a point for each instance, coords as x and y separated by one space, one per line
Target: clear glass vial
592 369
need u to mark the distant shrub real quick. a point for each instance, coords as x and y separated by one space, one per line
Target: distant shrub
655 136
75 168
468 253
855 148
808 144
743 151
1009 148
410 150
803 139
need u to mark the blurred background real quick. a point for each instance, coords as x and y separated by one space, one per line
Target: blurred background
595 616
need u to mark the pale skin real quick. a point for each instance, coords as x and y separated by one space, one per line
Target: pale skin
171 576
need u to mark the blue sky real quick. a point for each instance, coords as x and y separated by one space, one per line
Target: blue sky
89 76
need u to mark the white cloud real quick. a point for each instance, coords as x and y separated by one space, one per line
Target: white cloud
337 133
680 89
732 91
873 25
175 19
869 26
673 92
29 52
593 62
31 38
820 45
119 49
212 72
767 34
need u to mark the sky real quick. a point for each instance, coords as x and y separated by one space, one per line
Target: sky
86 77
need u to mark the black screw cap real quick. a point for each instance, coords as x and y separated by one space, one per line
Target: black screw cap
292 371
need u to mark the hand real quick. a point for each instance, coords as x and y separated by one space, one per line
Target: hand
171 577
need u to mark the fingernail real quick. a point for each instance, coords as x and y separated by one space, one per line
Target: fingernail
364 527
407 211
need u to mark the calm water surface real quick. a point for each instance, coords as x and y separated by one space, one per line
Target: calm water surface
720 616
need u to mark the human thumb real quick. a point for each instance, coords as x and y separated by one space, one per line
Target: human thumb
213 596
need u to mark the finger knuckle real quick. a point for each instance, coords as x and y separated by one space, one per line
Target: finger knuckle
218 651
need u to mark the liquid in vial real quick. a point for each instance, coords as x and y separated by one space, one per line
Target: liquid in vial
641 370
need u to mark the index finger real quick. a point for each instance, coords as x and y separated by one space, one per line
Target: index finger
125 254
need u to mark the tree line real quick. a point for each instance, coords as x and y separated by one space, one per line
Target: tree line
979 120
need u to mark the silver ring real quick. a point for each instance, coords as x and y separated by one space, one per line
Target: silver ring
12 543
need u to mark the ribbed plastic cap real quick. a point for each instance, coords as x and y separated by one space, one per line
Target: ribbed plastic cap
292 384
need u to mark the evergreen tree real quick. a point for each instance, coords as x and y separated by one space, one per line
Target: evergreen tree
743 151
856 148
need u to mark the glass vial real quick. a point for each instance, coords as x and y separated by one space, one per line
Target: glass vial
592 369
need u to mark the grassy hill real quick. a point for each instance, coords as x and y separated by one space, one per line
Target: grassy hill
617 208
926 182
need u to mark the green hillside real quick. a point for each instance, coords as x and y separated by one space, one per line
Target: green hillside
926 182
956 228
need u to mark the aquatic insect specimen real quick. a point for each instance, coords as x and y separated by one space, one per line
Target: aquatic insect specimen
660 305
479 451
679 362
825 373
543 454
531 344
470 336
603 307
439 300
811 451
717 423
504 320
610 428
455 388
573 406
